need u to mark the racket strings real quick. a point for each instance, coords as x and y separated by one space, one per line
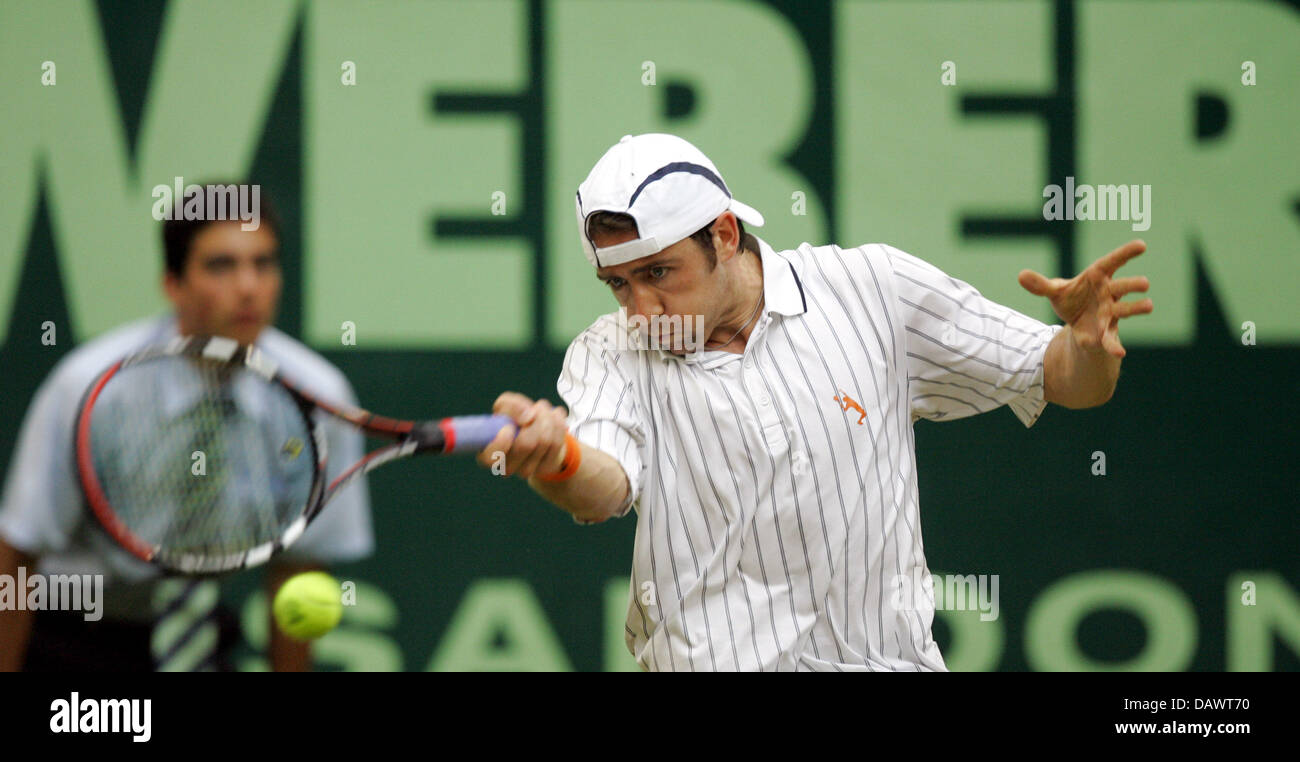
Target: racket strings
201 502
200 458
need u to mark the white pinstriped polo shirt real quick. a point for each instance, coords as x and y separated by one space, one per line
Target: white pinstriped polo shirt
776 491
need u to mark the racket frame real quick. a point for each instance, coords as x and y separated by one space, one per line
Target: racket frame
412 437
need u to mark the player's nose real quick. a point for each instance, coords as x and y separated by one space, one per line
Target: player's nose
646 305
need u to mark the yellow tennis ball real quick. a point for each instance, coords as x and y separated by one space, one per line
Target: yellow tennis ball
308 605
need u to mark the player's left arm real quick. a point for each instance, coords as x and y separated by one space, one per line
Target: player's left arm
1081 365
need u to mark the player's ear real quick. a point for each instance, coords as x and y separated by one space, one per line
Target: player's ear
726 236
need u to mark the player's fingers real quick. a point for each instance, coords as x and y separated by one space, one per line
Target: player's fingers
1110 341
524 446
512 404
538 408
1040 285
1119 287
1034 283
1114 260
545 443
541 455
497 449
542 439
1129 309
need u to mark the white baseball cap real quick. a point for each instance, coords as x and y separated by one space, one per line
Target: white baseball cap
666 184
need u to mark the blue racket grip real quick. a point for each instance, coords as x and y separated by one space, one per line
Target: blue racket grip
471 433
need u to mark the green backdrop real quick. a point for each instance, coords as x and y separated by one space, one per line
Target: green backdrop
424 156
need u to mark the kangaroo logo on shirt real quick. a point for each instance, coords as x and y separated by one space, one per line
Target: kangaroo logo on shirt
846 402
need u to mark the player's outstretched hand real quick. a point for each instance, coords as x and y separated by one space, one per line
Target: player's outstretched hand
1090 302
537 447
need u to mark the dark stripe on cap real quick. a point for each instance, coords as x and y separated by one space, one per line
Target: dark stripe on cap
680 166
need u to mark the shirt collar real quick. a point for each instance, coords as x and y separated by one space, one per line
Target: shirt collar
782 290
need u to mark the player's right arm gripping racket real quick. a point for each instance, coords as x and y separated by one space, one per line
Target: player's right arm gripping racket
199 457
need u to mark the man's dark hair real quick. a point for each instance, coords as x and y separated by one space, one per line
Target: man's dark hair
179 234
609 223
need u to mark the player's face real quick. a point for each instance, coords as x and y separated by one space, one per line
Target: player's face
231 283
675 282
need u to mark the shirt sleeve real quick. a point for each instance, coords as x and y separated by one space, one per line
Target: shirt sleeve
966 354
42 505
343 531
603 413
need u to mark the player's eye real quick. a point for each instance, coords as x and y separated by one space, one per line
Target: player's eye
658 273
616 283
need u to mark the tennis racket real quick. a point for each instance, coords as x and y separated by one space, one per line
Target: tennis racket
198 456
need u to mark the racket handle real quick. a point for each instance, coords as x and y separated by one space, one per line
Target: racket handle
471 433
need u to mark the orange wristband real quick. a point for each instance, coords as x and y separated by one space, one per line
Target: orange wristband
572 459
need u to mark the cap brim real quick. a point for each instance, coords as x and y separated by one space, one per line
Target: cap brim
747 214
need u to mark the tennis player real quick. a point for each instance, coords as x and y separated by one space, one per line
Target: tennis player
221 280
773 468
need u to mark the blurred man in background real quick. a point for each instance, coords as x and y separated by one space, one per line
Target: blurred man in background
224 280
